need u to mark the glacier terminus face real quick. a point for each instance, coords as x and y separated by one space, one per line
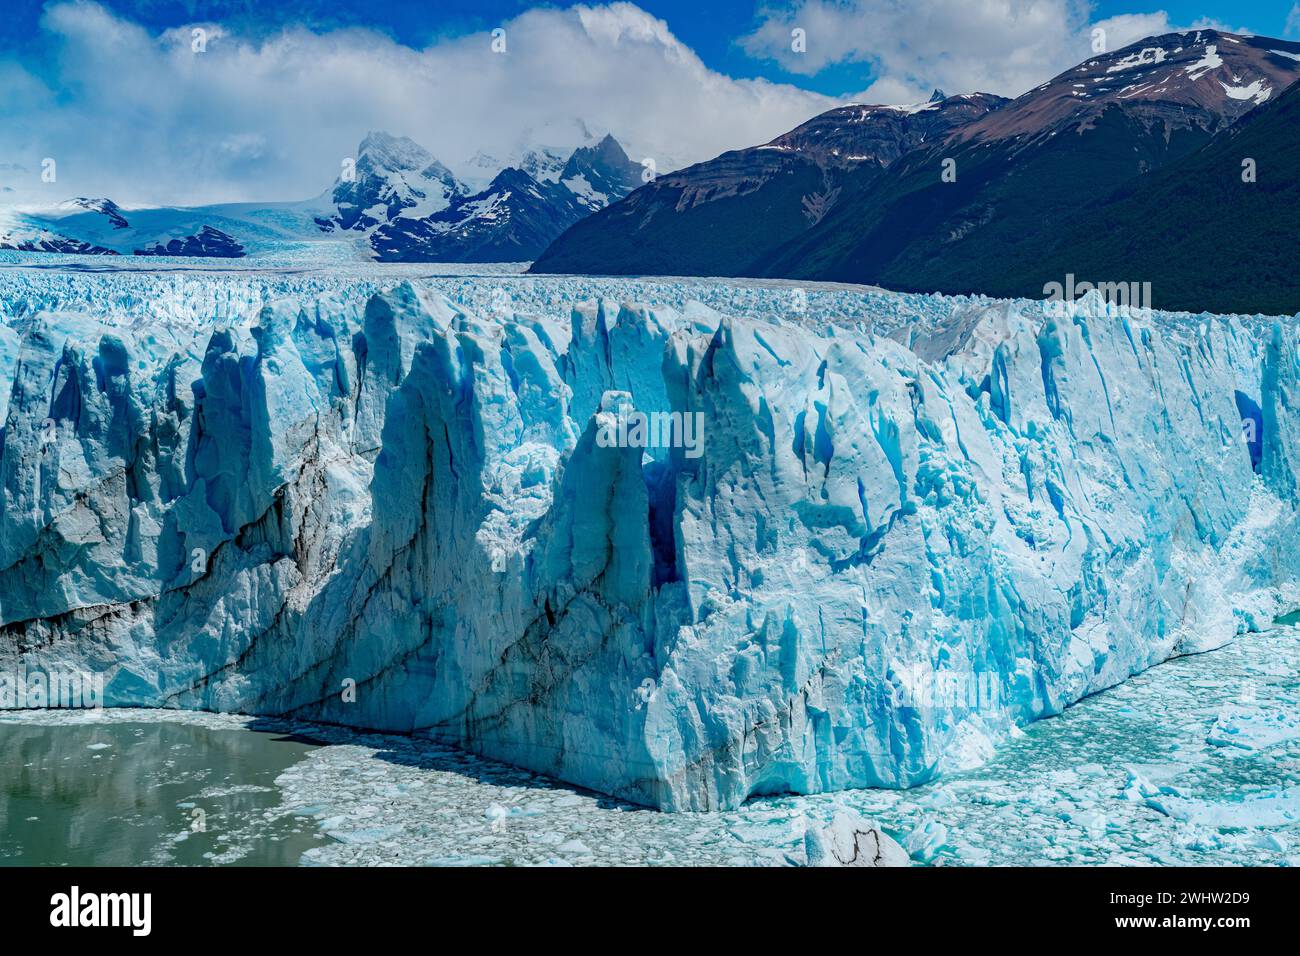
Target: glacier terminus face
684 542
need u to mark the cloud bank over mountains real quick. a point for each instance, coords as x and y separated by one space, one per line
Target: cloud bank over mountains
990 46
186 118
146 118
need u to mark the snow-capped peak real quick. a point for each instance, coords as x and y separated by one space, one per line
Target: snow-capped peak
1203 78
392 176
386 151
83 204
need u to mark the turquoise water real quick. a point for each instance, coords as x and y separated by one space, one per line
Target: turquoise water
123 794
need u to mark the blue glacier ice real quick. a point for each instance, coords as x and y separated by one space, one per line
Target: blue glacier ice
379 499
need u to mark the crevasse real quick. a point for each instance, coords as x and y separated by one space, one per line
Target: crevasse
262 502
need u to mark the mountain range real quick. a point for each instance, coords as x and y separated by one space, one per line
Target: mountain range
975 193
721 216
1218 242
395 203
1171 161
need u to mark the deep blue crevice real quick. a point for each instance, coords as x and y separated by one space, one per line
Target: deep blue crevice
1252 426
661 490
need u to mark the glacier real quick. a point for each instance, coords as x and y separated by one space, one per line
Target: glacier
377 497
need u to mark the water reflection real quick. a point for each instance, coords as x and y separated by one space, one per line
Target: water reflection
125 794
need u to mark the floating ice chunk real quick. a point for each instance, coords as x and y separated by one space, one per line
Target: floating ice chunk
1138 788
1252 728
1274 842
925 842
1272 810
971 747
851 840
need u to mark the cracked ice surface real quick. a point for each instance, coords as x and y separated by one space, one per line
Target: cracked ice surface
241 491
1060 793
1130 776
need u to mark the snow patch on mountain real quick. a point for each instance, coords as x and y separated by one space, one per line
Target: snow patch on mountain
1210 61
1257 91
1148 56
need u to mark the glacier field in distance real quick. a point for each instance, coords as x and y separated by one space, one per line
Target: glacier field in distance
381 497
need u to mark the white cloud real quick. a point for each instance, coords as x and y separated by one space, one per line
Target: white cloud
912 46
1126 28
1292 28
143 118
996 46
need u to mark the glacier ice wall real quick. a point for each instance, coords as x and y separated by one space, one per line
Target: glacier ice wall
391 508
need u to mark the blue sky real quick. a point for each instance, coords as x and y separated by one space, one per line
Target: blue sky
113 90
711 28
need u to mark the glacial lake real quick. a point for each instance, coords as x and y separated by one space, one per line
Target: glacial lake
157 792
1193 762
